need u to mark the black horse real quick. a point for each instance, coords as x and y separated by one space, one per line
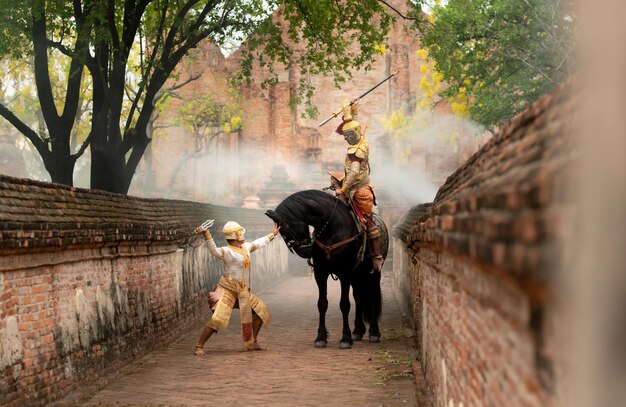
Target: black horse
336 247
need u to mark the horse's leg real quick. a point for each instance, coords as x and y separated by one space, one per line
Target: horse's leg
344 305
322 306
359 326
375 294
374 332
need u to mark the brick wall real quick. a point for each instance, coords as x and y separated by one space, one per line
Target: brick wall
478 265
90 281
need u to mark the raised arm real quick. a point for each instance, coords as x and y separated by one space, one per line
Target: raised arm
213 249
262 241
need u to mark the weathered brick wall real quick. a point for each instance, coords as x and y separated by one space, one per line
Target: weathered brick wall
90 281
479 265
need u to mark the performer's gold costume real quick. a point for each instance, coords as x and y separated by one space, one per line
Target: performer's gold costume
232 290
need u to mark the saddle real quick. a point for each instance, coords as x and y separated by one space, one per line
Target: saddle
336 182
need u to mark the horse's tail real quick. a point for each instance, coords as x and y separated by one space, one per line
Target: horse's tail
372 298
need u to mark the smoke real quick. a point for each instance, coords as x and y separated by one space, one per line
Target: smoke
255 170
411 164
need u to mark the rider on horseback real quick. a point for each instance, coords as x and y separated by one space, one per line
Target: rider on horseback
355 181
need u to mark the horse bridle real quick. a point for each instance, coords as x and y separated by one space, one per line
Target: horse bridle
308 242
301 244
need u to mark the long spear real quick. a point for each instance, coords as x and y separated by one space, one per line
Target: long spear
355 100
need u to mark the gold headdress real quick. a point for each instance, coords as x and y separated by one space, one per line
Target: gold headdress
233 230
349 112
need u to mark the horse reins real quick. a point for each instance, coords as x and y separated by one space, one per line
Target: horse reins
328 249
329 218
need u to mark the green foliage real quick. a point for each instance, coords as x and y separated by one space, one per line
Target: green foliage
204 115
128 49
331 38
504 53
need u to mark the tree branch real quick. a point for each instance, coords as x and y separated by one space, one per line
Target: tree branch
132 19
42 75
395 10
146 73
192 77
163 126
176 25
83 147
60 47
115 36
207 8
23 128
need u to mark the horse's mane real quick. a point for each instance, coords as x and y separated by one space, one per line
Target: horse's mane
296 204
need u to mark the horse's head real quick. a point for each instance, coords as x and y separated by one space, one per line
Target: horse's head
295 233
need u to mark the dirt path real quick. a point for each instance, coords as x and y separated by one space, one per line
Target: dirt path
291 372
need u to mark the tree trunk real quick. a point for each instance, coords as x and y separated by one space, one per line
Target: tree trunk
107 172
109 169
58 160
61 169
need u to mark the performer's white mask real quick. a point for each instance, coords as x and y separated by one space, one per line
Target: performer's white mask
233 231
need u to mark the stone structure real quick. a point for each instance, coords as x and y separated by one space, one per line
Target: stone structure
277 188
478 265
90 281
276 133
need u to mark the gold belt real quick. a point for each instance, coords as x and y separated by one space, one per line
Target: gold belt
240 283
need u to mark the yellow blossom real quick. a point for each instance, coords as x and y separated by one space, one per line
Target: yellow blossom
425 84
459 109
236 122
422 53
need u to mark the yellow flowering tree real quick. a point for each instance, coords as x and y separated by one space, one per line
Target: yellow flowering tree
408 130
504 53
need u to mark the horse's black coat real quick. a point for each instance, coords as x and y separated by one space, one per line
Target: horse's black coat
333 223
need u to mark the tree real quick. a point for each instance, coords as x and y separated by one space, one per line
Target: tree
504 54
101 38
206 119
54 148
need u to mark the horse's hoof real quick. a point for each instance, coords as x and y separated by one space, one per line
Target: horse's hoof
357 337
320 344
345 345
374 339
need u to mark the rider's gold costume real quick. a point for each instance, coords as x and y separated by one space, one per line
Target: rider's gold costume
356 181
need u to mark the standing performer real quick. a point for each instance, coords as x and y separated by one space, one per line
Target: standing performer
355 181
232 291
